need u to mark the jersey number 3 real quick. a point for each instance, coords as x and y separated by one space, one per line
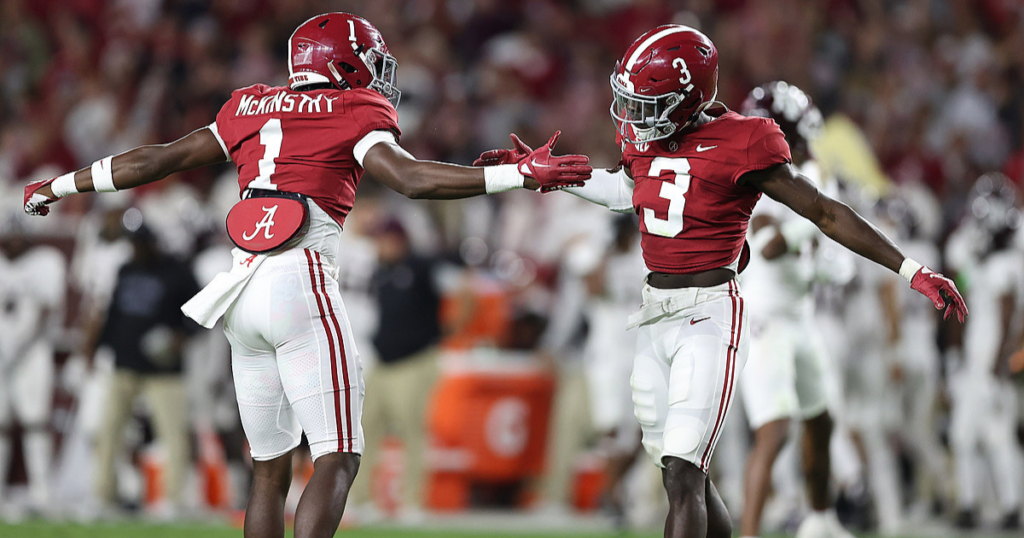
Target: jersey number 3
270 138
674 192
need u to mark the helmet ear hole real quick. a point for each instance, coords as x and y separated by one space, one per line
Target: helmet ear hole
347 67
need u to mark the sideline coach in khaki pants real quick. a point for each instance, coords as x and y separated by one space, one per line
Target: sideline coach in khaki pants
399 386
146 330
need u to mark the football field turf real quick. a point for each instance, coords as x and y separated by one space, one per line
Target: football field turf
143 530
147 530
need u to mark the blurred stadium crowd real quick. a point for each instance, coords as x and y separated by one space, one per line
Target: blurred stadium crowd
936 88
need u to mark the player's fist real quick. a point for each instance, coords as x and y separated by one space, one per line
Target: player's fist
941 291
553 173
38 197
495 157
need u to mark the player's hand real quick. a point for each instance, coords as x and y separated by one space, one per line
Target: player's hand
941 291
38 197
554 173
1016 362
495 157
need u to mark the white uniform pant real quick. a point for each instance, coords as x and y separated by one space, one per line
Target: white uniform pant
684 373
608 367
785 374
294 360
26 393
985 417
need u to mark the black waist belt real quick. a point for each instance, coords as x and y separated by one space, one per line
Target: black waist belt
267 193
704 279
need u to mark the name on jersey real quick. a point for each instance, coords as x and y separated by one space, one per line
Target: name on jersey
249 105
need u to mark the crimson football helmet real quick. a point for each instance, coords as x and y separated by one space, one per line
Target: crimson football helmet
790 107
665 79
342 50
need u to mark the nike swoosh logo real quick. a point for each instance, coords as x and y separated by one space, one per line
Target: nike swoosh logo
696 321
534 163
701 149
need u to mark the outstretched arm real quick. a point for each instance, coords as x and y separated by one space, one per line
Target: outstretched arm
144 164
836 220
610 188
385 160
396 168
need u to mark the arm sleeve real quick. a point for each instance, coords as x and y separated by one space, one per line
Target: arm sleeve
766 147
372 139
213 129
613 190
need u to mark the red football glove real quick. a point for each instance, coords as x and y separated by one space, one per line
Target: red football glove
35 203
941 291
505 156
554 173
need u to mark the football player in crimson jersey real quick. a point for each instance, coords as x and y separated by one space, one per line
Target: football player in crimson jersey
300 152
693 171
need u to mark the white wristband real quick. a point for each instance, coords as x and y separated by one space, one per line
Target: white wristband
501 178
64 185
909 268
102 176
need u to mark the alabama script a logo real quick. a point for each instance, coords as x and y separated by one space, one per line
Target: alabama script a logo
265 224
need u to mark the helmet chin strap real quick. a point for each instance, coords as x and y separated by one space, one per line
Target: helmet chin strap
336 74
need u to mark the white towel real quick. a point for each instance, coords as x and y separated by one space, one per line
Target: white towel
651 312
214 300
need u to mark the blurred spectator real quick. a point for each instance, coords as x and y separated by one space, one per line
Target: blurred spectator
981 386
31 308
936 86
146 331
399 386
608 356
561 351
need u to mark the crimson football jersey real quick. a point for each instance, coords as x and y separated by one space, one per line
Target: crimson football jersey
693 213
302 141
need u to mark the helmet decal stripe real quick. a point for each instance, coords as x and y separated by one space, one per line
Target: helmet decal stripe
649 42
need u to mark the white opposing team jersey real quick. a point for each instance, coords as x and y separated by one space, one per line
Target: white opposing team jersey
781 287
992 277
609 349
355 271
29 286
623 275
95 263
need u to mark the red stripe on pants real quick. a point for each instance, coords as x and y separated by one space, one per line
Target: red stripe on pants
730 362
344 361
330 345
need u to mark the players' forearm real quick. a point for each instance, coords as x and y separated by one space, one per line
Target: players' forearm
835 219
144 164
844 226
888 295
610 188
436 181
396 168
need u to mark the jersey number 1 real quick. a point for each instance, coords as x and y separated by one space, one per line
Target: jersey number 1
674 192
270 138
